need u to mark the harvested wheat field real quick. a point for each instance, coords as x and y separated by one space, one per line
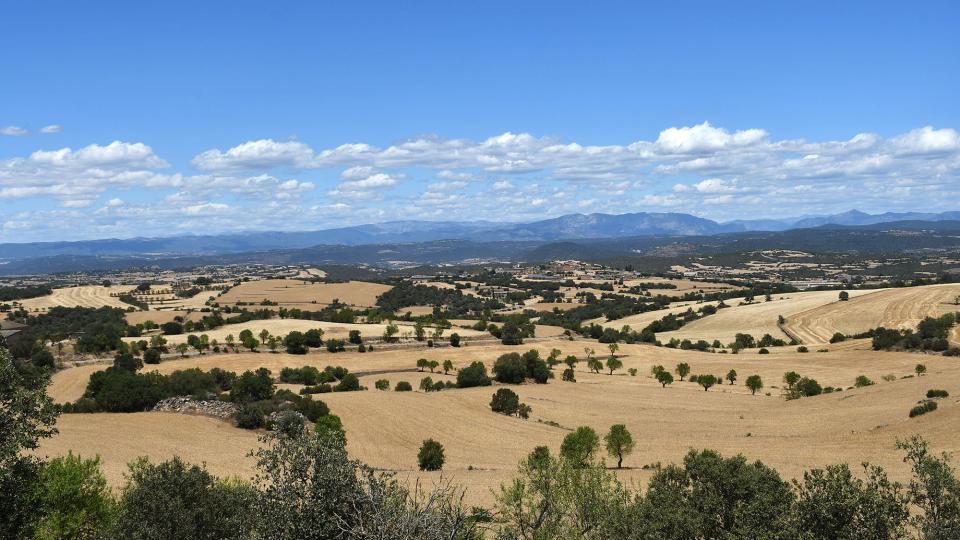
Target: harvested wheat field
282 327
385 429
92 296
890 308
683 286
292 293
160 317
758 318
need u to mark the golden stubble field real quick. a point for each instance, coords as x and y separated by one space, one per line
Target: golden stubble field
759 317
890 308
303 294
385 429
92 296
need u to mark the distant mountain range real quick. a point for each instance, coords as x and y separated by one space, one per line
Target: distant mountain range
572 227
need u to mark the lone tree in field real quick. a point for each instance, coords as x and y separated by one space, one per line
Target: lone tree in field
754 383
553 359
664 377
683 369
920 369
505 401
430 457
454 339
447 366
579 447
706 381
595 364
570 361
619 442
732 376
791 378
613 349
844 296
614 363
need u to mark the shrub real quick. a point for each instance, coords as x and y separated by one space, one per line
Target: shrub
569 375
763 351
473 375
509 369
295 343
250 416
336 345
430 457
923 408
151 356
426 384
349 383
802 349
454 339
837 337
403 386
382 384
809 387
73 499
323 388
862 380
505 401
937 394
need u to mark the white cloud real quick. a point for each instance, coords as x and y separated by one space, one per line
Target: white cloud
51 129
502 185
705 138
927 140
13 131
261 154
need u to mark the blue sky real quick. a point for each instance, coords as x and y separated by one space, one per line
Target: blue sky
220 116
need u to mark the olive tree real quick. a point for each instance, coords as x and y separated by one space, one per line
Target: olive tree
619 443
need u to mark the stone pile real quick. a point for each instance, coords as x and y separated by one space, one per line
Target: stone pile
187 405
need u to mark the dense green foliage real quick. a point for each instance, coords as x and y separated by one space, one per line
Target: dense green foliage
8 294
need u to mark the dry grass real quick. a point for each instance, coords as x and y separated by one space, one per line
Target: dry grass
92 296
385 429
891 308
757 319
160 317
303 294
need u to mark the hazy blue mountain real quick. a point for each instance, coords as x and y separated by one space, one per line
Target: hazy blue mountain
568 227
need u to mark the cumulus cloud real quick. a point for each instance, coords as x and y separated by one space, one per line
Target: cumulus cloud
511 176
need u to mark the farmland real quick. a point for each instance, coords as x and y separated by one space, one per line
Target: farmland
92 296
484 447
304 294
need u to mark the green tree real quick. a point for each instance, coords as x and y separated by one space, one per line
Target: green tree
683 369
182 349
454 339
791 378
754 383
419 332
732 376
27 415
833 503
706 381
473 375
382 384
309 487
619 442
580 446
505 401
390 333
73 499
177 500
920 369
614 363
295 343
934 489
664 377
422 363
426 384
844 296
569 375
447 366
264 335
430 457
